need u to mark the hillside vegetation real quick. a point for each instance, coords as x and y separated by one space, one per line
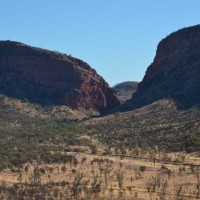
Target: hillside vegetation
161 124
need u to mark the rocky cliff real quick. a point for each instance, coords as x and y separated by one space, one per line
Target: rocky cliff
175 71
51 78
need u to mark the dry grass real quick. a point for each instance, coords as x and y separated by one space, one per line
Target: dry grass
153 182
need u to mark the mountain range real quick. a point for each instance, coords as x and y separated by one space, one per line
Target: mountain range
163 109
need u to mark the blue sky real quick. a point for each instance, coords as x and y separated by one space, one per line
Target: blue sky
118 38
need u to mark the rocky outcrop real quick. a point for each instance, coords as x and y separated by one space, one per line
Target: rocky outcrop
51 78
175 71
125 90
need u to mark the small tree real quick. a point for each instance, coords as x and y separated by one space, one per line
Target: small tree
76 185
63 169
36 175
93 149
120 179
142 168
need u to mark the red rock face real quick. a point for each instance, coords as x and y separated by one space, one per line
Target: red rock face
47 77
175 71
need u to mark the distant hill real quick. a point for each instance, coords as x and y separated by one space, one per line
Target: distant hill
174 73
51 78
125 90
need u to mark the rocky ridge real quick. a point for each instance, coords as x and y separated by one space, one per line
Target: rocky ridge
174 73
51 78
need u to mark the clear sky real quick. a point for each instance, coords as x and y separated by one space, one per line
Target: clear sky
118 38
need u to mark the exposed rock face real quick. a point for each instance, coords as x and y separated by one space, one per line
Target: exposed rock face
125 90
175 71
48 77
